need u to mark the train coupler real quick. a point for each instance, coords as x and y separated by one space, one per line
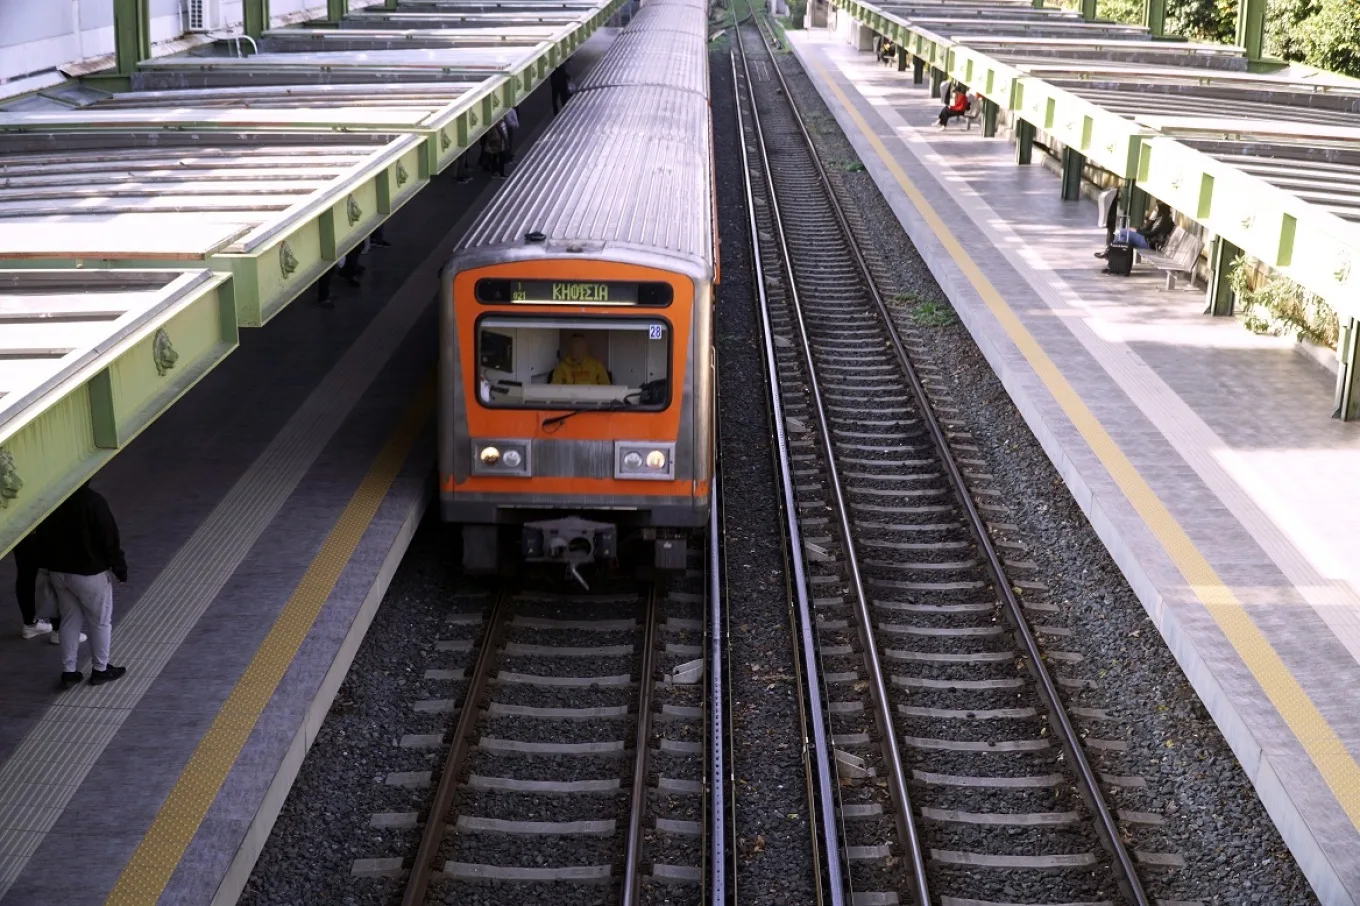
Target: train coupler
572 542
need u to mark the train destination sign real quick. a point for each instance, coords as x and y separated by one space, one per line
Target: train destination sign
573 292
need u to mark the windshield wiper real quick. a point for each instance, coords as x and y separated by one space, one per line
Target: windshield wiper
555 422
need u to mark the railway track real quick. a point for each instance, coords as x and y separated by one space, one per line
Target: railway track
960 776
574 769
588 734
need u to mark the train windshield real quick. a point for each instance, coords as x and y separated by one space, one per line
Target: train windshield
574 363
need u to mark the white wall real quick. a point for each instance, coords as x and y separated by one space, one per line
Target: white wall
37 36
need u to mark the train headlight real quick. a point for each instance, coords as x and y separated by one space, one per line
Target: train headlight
641 459
503 458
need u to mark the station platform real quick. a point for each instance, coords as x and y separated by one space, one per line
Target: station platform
263 517
1203 454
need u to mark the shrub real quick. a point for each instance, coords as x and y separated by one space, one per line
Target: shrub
1279 306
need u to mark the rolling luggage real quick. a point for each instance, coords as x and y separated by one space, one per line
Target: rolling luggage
1119 259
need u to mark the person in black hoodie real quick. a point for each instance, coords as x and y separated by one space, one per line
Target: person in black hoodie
81 547
560 83
1153 234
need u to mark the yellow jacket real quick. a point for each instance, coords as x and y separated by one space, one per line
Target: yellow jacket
587 371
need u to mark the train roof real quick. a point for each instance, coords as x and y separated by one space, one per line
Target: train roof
660 58
623 173
678 15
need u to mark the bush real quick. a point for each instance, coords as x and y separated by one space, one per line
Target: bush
1129 11
1330 39
1279 306
1203 20
1284 19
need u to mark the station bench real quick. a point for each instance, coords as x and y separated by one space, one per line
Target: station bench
1178 256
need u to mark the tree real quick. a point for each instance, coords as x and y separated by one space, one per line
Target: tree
1330 39
1284 21
1203 20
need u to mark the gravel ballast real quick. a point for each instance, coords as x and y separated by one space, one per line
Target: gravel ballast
1214 821
774 855
325 823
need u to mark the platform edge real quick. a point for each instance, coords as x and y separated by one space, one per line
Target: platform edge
271 805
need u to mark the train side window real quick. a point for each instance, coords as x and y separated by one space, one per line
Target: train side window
570 363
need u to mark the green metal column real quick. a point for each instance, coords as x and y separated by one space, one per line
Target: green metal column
1154 16
1218 298
131 34
936 82
1073 163
989 112
1135 203
1024 142
901 59
918 71
256 17
1348 374
1251 27
336 9
1088 10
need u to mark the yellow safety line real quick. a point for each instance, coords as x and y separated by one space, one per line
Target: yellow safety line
1316 735
144 877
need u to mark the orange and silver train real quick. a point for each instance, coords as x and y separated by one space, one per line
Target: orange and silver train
577 376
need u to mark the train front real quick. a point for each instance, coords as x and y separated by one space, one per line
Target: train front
576 409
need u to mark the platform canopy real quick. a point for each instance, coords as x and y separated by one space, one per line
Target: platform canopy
208 189
1264 157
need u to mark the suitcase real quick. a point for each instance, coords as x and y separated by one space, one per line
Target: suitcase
1119 259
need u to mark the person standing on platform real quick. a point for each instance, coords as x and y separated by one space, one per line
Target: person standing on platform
80 545
33 591
511 127
497 138
560 83
28 574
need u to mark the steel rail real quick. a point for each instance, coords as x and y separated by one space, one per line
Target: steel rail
433 837
632 876
718 850
878 687
1089 784
820 756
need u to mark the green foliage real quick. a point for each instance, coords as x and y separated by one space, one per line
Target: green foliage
1330 39
1279 306
923 312
932 314
1203 20
1127 11
1284 20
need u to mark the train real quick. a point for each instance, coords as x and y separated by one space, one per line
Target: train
576 399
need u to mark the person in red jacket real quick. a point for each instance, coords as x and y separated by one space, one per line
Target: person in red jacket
958 106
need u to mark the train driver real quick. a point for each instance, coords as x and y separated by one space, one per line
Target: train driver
579 366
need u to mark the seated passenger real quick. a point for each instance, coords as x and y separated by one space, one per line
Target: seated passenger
958 106
1153 234
579 367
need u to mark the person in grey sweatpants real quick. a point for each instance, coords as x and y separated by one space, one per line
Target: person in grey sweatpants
81 547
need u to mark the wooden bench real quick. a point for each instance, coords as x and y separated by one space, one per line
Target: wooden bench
1178 256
